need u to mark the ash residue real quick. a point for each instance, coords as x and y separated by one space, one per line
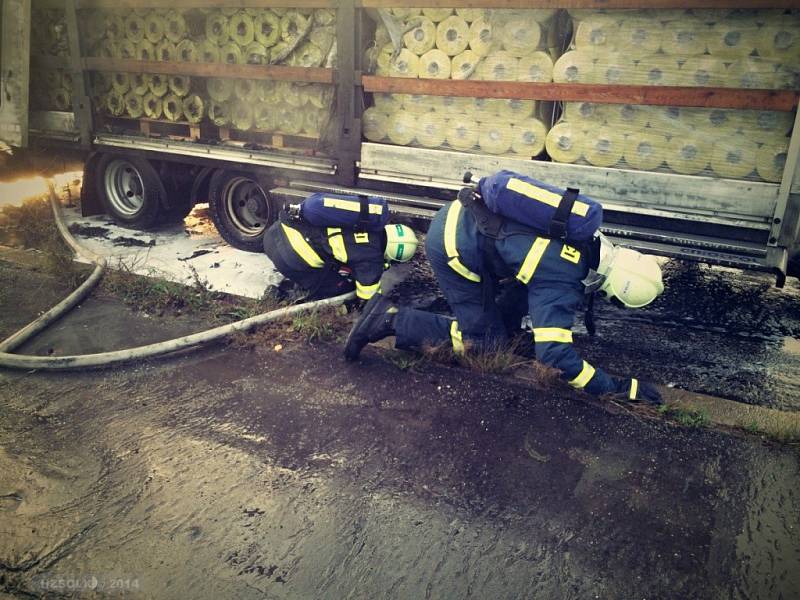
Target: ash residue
88 231
129 241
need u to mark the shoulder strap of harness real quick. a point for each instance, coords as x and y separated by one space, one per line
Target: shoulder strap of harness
363 213
558 224
488 223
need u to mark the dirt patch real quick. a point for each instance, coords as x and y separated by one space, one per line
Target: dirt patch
132 242
83 230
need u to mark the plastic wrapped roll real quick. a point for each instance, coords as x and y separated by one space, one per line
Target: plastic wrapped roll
61 99
384 59
307 55
133 105
688 155
115 103
780 41
166 51
219 90
644 150
450 105
452 35
494 137
514 110
256 54
324 16
464 65
172 106
140 84
437 14
231 54
217 30
187 51
126 49
434 64
158 85
603 146
293 25
732 38
596 32
242 116
267 28
290 94
145 50
614 69
268 92
107 49
521 36
528 137
585 111
756 73
152 106
701 71
671 120
375 123
134 28
154 25
193 108
461 133
402 127
483 109
422 37
121 83
241 28
208 52
656 69
719 121
733 157
219 113
289 120
323 38
771 160
565 143
115 28
574 67
387 103
246 90
175 29
431 130
405 65
639 36
481 40
179 85
498 66
471 14
684 37
313 122
416 103
537 66
764 126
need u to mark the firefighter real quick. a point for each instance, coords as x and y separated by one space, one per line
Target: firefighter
552 276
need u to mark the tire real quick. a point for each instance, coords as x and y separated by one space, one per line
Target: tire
130 190
240 209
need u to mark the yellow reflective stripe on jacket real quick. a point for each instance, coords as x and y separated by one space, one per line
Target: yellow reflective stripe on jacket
584 377
531 261
365 292
552 334
543 195
336 241
351 205
456 339
634 389
301 246
450 246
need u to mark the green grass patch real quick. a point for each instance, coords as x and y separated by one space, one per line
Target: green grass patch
687 417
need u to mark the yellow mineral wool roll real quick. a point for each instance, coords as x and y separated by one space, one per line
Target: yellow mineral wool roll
231 54
735 38
494 137
154 25
644 150
614 69
145 50
324 16
264 117
208 52
422 37
528 137
461 133
289 120
405 13
514 110
688 155
219 90
537 66
417 103
242 115
384 59
289 93
375 124
565 142
437 14
158 84
194 108
241 28
733 157
314 121
307 55
720 121
219 113
656 69
672 120
603 145
166 51
471 14
639 36
293 25
134 29
754 73
701 71
139 83
217 30
586 111
498 66
765 126
481 38
115 28
126 49
323 38
172 107
685 37
464 65
121 82
771 160
574 67
267 28
405 65
387 103
256 54
175 29
450 105
402 127
179 85
779 40
431 130
483 109
187 51
596 32
319 95
452 35
107 49
434 64
101 82
521 36
152 106
246 90
115 103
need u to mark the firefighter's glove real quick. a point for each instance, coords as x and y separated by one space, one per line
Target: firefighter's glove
354 305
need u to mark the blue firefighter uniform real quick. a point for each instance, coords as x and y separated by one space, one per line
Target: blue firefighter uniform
312 257
551 272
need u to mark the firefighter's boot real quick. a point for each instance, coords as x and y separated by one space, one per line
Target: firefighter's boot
376 322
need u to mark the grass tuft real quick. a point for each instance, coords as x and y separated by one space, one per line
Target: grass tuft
687 417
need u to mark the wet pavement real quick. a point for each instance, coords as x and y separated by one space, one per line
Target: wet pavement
249 473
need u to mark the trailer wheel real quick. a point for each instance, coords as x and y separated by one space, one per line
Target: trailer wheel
130 189
240 209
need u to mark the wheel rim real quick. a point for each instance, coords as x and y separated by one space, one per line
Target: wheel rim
124 187
246 206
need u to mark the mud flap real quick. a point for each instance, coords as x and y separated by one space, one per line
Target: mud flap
90 201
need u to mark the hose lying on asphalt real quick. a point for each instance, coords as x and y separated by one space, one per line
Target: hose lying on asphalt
80 361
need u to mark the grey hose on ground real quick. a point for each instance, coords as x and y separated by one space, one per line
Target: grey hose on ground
80 361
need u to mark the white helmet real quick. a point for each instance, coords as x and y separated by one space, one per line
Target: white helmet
629 276
401 242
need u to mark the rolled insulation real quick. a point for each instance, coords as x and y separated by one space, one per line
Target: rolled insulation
611 69
388 103
764 126
732 38
481 39
219 113
187 51
498 66
603 146
268 92
483 109
293 25
175 27
231 54
267 28
718 120
461 133
644 149
375 123
574 67
242 116
323 38
166 51
134 27
121 82
318 95
671 120
152 106
585 111
101 82
756 73
416 103
437 14
115 26
405 65
307 55
179 85
383 59
471 14
656 69
463 66
494 137
154 25
126 49
684 37
528 137
158 84
145 50
521 36
596 32
422 37
107 49
402 127
405 13
431 130
172 106
780 41
639 36
450 105
246 90
324 16
208 52
701 71
514 109
289 93
241 28
434 64
771 160
565 143
140 84
688 155
537 66
733 157
313 121
452 35
289 120
193 108
217 31
134 105
115 103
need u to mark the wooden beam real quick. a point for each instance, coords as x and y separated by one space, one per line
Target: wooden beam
125 4
781 100
592 4
306 74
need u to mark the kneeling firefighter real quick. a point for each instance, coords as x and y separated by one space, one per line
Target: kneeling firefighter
331 244
513 245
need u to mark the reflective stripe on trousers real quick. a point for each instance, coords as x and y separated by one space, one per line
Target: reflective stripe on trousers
456 339
450 246
584 377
